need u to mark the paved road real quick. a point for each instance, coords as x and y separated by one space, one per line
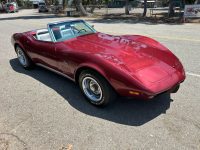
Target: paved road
42 110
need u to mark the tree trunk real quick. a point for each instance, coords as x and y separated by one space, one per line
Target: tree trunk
93 6
81 9
171 8
126 7
92 9
64 2
145 8
46 2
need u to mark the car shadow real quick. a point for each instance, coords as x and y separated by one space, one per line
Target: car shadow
123 110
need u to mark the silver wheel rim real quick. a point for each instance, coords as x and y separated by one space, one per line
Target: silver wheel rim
92 89
21 56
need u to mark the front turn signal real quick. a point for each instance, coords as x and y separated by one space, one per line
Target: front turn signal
134 92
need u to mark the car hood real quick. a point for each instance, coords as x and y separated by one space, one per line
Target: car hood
141 57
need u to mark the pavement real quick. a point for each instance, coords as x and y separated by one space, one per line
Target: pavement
40 110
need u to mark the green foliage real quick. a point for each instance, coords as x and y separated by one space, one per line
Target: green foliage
28 4
57 2
106 1
189 1
20 3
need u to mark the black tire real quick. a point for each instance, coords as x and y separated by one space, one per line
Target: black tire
28 64
108 93
175 89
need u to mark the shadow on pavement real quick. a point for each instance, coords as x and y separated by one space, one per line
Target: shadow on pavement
139 20
123 111
30 17
108 19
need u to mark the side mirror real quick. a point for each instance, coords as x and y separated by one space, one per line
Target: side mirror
92 26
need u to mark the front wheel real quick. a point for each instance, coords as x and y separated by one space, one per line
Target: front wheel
24 60
95 88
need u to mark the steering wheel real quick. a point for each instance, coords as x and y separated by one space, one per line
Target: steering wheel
82 30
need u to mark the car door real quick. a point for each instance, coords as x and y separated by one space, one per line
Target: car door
43 52
65 61
63 37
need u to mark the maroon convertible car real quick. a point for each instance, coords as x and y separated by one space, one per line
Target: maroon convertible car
103 65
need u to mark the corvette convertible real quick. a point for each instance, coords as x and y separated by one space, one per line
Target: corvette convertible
103 65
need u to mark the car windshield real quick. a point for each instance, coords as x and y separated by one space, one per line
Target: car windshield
68 30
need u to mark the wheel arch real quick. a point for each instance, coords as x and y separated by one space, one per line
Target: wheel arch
87 67
15 46
24 50
96 70
20 45
18 39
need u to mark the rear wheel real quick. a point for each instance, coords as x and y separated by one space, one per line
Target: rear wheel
95 88
24 60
